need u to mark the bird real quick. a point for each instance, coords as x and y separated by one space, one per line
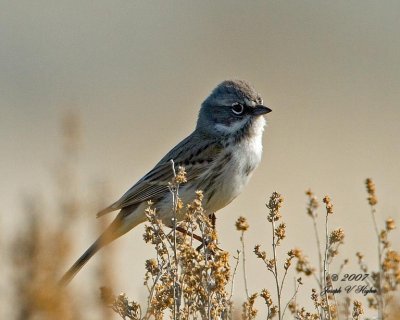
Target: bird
219 157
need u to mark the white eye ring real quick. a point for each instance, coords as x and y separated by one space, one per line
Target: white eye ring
237 108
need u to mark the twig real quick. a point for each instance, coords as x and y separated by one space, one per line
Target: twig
276 269
204 246
174 191
326 265
292 298
244 265
319 251
283 280
234 273
381 314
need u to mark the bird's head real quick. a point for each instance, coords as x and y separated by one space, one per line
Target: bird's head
233 106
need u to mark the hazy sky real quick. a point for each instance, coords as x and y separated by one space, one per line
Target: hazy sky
136 73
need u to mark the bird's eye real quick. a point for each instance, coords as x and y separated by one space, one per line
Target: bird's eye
237 108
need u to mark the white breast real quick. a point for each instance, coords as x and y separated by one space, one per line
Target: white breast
246 156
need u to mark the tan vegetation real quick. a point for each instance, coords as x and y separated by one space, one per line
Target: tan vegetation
191 279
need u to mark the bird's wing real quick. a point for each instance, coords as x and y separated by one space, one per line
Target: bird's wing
193 153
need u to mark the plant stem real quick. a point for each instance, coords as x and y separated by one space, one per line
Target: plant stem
244 265
292 298
326 265
379 296
320 282
276 270
234 274
174 206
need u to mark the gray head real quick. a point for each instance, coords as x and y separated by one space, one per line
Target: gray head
231 108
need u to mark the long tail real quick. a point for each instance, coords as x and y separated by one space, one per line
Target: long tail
113 231
117 228
70 274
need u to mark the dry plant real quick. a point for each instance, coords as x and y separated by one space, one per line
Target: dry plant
189 276
278 234
188 283
386 277
39 251
38 254
183 282
42 246
324 299
380 286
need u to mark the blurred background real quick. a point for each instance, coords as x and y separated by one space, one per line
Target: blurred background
94 93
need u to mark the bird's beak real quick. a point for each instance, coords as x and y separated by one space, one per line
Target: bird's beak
260 109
